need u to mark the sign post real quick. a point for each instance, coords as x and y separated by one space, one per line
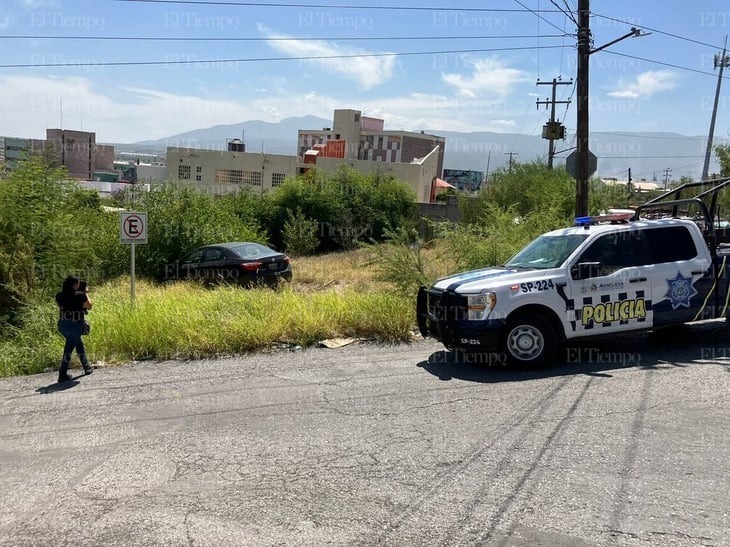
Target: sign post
132 230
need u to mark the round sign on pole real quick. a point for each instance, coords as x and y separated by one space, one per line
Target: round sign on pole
132 227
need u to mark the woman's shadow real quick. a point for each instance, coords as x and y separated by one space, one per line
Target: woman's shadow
59 386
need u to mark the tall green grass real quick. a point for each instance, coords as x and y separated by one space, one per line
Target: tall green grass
183 320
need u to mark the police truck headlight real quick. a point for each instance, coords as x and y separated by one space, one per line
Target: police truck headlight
480 305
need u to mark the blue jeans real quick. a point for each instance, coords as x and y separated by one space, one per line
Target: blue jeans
71 331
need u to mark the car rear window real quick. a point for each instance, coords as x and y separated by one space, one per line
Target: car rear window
252 250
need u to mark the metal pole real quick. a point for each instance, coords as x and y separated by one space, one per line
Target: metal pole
581 164
723 63
133 268
486 175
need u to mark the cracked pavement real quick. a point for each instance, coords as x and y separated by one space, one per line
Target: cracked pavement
377 445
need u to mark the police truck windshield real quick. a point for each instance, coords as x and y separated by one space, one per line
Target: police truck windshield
547 251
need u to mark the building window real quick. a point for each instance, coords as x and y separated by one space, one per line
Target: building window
183 172
380 143
198 178
228 176
198 169
253 178
277 179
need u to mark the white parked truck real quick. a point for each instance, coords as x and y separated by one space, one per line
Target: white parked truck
662 265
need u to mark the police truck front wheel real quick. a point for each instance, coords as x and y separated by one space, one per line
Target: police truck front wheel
528 341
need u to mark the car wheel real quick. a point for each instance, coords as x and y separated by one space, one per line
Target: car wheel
528 341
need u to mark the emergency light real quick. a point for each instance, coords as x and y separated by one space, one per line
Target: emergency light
613 216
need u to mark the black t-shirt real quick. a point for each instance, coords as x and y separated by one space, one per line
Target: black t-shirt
72 305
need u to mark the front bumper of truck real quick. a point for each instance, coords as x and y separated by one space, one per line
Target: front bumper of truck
442 315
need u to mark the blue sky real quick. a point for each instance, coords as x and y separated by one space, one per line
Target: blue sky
475 70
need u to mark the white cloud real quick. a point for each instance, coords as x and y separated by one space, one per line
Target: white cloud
31 104
36 4
12 13
367 71
489 77
646 84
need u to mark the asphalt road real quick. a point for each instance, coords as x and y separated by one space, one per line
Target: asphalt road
626 442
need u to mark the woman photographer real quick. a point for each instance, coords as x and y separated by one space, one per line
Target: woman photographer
72 305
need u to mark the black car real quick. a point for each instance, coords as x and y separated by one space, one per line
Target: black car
242 262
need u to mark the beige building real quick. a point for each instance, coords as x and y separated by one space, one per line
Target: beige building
419 175
222 172
225 171
365 139
357 141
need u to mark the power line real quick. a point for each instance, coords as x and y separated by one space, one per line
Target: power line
568 12
663 63
262 59
569 99
524 118
565 22
262 39
648 157
642 136
644 27
331 6
639 136
536 12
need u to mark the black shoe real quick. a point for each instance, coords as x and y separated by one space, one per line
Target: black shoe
64 378
88 369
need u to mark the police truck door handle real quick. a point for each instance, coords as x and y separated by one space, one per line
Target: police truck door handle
637 279
698 272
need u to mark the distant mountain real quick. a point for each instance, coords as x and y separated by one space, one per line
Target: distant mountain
647 154
273 138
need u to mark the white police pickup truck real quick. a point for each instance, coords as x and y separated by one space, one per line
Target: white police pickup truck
607 274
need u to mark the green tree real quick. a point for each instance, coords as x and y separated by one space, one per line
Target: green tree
722 151
43 233
532 186
349 207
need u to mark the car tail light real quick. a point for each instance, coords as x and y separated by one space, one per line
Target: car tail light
250 266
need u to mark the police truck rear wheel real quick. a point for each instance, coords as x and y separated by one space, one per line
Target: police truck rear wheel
529 341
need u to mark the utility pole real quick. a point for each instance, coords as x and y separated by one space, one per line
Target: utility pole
510 154
720 61
583 167
666 177
486 175
629 190
581 163
552 130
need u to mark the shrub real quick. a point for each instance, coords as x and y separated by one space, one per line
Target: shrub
349 207
401 260
300 234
